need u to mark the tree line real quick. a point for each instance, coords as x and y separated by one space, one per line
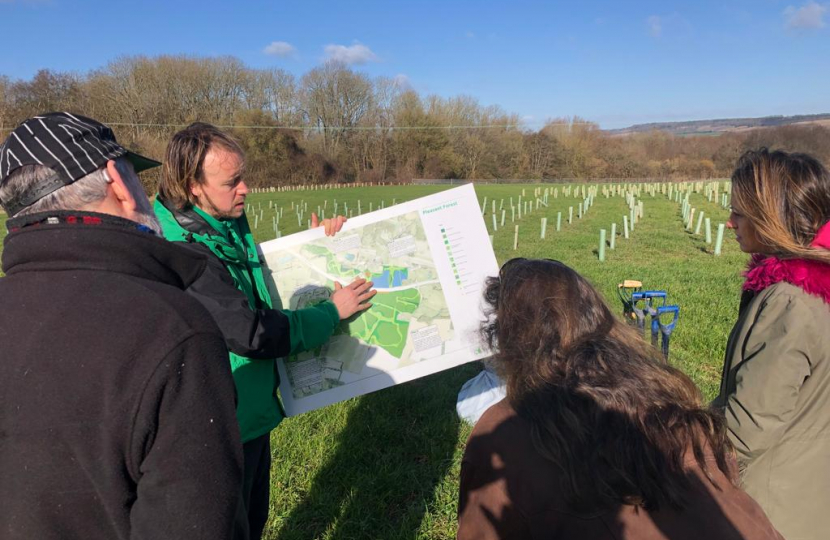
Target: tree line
336 124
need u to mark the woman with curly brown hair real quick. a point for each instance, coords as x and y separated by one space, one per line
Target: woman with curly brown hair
774 391
597 438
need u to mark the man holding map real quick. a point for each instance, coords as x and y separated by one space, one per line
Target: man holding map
201 203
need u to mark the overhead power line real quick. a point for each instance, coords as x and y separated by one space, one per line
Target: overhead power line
365 128
329 128
346 128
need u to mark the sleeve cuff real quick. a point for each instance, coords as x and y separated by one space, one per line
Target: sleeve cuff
329 307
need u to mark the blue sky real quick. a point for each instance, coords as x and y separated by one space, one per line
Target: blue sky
613 62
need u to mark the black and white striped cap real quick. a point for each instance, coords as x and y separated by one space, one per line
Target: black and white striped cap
73 146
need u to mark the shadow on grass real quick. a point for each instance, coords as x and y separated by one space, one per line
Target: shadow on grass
386 464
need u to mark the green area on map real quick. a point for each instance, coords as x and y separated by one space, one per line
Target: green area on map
382 325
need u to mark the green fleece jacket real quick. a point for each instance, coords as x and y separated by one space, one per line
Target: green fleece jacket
257 380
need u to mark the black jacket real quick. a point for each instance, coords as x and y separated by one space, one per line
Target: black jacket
116 399
255 332
258 333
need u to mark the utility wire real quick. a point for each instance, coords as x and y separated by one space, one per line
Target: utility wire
343 128
329 128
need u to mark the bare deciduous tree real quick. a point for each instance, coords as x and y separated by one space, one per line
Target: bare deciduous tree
337 124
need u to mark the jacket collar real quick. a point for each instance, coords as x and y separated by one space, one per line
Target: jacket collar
226 239
72 217
191 220
54 241
813 277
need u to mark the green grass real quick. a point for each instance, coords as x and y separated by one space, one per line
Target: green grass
386 465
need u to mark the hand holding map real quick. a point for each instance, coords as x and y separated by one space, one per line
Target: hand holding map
331 226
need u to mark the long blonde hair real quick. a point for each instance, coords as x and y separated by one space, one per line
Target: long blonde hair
786 197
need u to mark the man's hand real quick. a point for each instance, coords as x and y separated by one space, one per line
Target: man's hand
332 225
352 298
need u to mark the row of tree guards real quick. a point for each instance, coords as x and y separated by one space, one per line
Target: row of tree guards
320 187
540 199
679 192
688 213
301 210
588 195
523 206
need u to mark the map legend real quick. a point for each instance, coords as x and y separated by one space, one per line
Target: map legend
455 245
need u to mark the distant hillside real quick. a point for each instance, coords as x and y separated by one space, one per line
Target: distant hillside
714 127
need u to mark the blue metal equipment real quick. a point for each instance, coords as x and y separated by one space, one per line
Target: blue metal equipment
652 299
626 290
666 328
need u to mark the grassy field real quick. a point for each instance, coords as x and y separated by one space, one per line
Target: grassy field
386 465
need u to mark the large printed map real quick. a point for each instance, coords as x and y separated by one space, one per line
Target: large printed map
411 328
408 313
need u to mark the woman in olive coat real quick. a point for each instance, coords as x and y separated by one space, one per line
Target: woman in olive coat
775 388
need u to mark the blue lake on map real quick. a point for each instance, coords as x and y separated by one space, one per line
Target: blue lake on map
381 281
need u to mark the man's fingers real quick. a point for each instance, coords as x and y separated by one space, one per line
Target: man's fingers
356 283
363 288
337 286
315 222
327 228
339 223
366 296
363 307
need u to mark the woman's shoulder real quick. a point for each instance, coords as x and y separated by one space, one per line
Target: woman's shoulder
494 416
501 419
785 301
499 429
785 317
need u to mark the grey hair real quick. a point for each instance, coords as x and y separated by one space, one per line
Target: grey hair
79 195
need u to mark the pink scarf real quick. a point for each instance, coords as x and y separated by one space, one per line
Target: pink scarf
812 277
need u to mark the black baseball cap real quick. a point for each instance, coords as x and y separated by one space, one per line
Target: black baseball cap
73 146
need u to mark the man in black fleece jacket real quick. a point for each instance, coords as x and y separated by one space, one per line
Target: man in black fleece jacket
116 398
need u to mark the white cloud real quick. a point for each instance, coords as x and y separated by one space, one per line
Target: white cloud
469 35
655 26
354 54
402 81
810 16
279 48
529 120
